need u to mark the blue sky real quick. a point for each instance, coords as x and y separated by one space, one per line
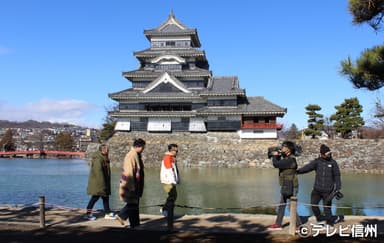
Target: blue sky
60 59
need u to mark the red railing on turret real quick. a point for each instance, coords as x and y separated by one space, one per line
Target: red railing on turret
262 126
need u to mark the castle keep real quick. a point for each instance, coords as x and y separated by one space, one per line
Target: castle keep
173 90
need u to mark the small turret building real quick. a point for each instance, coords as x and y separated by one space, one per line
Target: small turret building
173 90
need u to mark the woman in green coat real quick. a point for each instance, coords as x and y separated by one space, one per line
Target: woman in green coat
99 182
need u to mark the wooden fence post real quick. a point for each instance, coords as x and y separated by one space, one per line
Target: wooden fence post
293 215
42 211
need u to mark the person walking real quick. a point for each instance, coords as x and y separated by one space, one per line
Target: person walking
99 182
285 161
327 180
132 184
169 177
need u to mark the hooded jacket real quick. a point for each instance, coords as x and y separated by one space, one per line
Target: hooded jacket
327 174
99 180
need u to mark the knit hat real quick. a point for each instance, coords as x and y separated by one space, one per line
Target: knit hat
324 149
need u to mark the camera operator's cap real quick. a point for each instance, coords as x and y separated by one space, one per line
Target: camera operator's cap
324 149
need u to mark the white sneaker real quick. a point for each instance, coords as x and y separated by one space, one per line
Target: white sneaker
90 217
110 216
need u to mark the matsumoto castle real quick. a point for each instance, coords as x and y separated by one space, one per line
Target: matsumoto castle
173 90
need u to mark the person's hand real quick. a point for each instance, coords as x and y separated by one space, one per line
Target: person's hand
275 153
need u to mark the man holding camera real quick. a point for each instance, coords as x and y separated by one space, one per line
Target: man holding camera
327 182
285 161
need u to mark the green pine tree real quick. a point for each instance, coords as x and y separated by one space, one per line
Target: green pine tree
64 141
368 70
7 142
315 121
292 132
347 118
109 124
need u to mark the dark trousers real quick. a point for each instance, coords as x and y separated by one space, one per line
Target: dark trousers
169 204
281 211
94 199
131 212
316 197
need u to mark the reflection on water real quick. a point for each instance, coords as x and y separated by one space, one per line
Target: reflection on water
205 190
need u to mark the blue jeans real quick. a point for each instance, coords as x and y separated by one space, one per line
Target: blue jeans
94 199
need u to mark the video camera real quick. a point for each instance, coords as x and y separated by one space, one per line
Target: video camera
273 149
298 150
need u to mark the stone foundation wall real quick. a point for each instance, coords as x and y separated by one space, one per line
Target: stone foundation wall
228 150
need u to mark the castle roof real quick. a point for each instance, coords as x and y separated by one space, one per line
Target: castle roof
154 73
156 114
219 86
134 94
182 52
173 27
253 106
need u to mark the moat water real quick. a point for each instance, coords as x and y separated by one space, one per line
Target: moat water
202 190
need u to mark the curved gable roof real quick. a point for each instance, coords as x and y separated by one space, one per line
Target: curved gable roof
166 78
168 57
173 27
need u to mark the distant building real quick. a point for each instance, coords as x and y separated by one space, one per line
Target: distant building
173 90
89 136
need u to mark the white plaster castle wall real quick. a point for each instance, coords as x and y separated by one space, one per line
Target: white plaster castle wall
260 134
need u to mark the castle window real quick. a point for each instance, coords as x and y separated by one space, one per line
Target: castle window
258 131
168 107
168 67
170 43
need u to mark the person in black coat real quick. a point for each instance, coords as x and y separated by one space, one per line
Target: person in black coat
327 180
